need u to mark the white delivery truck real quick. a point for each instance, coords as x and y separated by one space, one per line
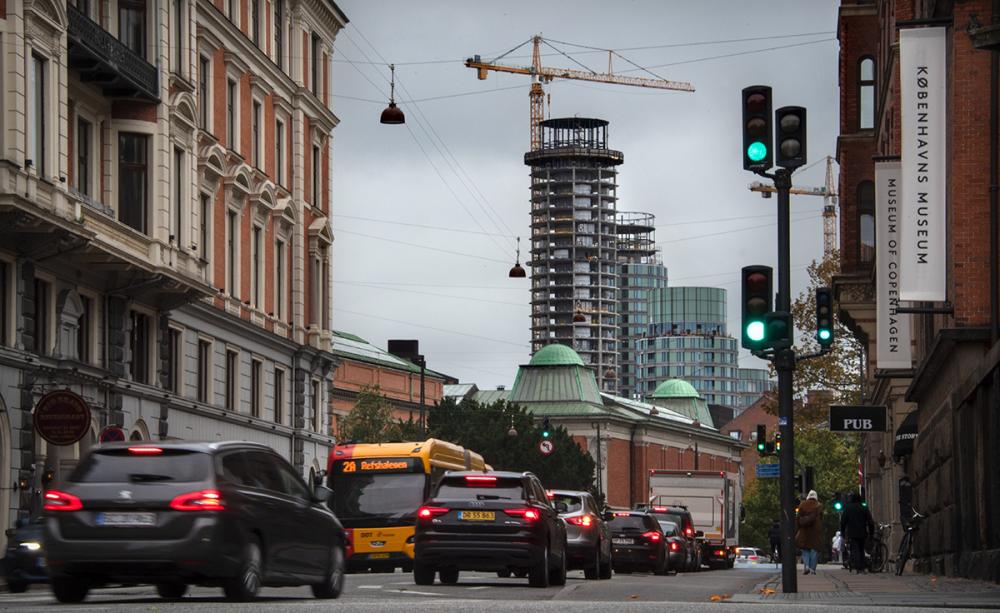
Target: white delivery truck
713 499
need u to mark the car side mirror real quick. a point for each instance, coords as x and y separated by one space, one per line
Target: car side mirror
561 507
699 533
321 493
9 532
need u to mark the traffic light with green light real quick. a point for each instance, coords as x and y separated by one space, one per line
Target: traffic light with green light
757 132
824 316
838 504
761 438
790 128
757 297
546 428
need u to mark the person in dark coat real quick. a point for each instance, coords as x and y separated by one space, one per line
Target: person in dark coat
809 536
857 525
774 536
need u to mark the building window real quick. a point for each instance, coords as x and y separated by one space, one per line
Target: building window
84 333
232 374
139 347
316 200
279 280
4 303
866 93
132 25
204 369
39 66
178 221
231 9
256 256
255 21
232 230
205 221
83 156
255 134
279 395
231 103
42 317
279 151
317 403
177 48
172 378
132 180
255 387
315 54
204 100
279 33
866 223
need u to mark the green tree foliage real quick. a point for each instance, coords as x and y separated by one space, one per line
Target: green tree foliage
371 420
485 430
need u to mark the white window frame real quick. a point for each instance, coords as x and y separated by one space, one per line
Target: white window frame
280 149
205 220
179 196
233 139
317 174
257 146
281 277
40 167
205 106
278 26
135 127
256 395
234 405
93 155
232 267
257 238
92 323
176 369
278 409
151 344
178 20
205 370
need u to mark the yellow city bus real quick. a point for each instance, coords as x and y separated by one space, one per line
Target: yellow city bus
377 489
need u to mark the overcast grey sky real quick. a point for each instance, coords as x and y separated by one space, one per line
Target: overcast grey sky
452 180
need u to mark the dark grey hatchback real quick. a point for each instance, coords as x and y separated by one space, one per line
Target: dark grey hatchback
229 514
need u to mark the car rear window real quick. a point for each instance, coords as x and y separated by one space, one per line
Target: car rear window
629 522
462 488
120 466
673 518
573 503
669 528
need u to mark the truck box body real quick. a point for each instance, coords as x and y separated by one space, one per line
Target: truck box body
713 499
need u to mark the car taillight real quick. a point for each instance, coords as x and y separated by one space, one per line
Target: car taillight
204 500
622 514
688 531
349 543
61 501
659 509
583 520
145 450
528 514
720 552
752 558
481 479
430 512
674 547
653 536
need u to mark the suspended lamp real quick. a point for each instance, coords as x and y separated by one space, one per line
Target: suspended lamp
517 272
392 113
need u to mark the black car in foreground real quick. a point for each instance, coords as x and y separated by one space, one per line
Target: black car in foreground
229 514
489 521
24 562
637 543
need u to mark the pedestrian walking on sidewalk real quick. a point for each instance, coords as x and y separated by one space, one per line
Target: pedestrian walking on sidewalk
857 525
809 536
774 536
838 547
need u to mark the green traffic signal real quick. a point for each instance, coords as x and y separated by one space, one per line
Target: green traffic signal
837 506
757 151
824 335
824 316
546 428
755 331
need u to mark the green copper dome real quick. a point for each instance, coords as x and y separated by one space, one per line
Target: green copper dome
675 388
556 355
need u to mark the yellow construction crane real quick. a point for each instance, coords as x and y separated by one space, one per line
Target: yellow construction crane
829 194
540 74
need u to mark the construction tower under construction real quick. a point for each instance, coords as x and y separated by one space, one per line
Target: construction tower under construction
574 293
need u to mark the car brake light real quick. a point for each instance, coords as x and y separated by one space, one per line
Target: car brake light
653 536
61 501
659 509
528 514
429 512
673 547
550 494
720 552
145 450
583 520
621 514
481 478
688 531
204 500
752 557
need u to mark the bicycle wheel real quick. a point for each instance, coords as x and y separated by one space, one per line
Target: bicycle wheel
880 553
904 553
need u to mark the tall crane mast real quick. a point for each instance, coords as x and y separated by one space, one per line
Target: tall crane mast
829 194
543 74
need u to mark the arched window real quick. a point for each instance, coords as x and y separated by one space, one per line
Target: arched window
866 93
866 223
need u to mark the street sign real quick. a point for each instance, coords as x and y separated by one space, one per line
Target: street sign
546 447
768 471
849 418
61 417
112 434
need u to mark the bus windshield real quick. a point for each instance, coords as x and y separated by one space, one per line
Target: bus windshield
377 499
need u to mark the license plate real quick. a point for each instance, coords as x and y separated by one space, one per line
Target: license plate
622 541
477 515
126 519
378 556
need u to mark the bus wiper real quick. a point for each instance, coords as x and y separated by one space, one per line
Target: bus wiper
492 497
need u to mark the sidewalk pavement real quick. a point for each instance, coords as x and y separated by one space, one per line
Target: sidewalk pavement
833 584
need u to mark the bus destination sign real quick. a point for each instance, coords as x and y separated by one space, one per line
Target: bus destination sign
376 465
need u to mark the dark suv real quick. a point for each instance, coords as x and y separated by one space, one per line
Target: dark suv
229 514
637 543
489 521
682 518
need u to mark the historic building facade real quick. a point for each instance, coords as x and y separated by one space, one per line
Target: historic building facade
164 225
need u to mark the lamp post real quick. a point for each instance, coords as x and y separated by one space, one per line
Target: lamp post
422 363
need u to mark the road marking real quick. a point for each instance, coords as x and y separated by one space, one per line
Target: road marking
368 587
416 593
478 587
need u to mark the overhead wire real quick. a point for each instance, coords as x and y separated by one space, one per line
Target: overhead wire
418 246
419 293
426 327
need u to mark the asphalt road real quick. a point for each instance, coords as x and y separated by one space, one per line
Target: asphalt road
475 592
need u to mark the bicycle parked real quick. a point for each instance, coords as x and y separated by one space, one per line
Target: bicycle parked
906 545
879 554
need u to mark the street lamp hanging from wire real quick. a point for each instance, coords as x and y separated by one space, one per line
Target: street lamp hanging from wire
392 113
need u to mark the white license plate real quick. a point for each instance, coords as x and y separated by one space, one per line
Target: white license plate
126 519
621 541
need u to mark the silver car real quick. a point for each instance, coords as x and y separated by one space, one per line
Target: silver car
588 538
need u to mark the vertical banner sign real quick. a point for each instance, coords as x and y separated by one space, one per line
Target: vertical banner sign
893 347
922 111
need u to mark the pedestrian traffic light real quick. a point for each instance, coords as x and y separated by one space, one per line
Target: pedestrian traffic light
761 438
790 124
757 132
757 297
778 329
824 316
546 428
838 505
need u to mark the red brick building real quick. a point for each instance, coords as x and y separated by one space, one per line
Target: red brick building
743 428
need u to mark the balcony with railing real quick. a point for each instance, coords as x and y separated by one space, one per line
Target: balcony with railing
100 58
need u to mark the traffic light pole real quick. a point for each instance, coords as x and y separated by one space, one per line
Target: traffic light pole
784 362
